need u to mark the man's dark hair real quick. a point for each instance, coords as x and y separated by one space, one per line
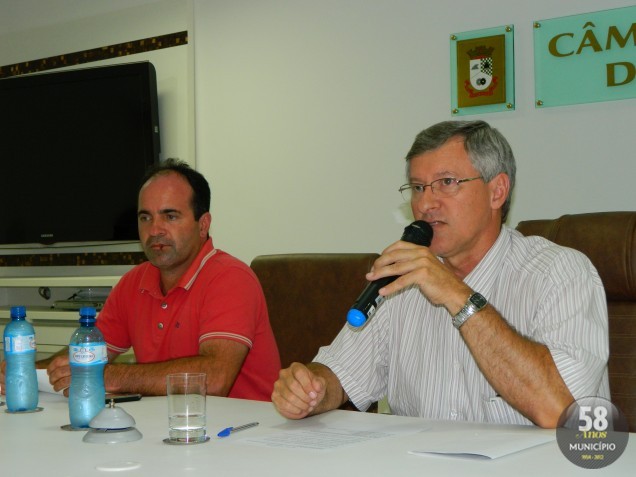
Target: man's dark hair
200 188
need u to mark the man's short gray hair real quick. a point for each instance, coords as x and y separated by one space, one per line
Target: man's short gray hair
488 151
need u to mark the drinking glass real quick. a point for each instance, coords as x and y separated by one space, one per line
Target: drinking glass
186 408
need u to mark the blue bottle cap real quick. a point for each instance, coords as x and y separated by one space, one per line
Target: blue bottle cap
87 315
356 317
87 311
18 311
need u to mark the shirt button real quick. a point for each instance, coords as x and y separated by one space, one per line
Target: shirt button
160 326
164 305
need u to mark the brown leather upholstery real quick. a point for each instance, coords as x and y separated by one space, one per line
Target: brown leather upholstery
308 296
609 240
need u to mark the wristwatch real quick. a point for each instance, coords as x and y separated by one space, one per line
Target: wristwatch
475 303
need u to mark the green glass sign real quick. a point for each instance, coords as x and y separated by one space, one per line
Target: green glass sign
585 58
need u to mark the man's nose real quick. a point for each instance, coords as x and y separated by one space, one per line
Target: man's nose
155 227
425 201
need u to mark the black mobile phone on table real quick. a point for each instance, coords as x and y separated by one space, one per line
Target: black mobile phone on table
122 397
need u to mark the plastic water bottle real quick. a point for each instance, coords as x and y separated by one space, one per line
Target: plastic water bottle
19 352
87 358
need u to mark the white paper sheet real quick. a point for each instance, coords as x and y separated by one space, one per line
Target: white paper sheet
483 444
324 432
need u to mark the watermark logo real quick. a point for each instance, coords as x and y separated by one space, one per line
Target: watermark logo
592 433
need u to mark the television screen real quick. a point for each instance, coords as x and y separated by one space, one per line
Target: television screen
74 146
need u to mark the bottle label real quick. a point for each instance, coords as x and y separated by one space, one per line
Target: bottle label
19 344
89 354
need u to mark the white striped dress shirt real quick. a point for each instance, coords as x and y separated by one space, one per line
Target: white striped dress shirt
411 353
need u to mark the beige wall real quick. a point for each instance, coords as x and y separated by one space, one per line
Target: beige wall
305 109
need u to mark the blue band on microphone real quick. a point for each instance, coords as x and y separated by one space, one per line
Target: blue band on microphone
356 317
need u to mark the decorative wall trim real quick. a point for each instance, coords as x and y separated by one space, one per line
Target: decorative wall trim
72 259
96 54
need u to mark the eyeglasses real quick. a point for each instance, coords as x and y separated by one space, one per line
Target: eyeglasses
444 187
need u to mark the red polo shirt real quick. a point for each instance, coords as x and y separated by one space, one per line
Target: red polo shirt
218 297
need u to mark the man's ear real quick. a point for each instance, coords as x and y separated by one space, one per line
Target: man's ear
205 221
499 190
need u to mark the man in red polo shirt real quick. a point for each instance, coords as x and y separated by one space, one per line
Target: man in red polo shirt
190 308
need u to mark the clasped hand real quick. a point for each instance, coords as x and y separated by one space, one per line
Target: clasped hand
298 391
59 372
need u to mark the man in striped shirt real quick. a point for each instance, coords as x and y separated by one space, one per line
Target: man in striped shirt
483 325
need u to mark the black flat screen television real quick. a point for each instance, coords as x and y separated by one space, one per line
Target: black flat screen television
74 146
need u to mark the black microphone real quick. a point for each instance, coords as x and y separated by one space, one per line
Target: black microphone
420 233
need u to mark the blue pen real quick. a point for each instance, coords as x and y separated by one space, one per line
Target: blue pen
229 430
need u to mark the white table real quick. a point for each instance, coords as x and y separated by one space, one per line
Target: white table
33 444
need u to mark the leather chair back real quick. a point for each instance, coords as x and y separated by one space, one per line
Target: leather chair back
308 296
609 241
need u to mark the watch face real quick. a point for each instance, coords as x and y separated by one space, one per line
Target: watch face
478 300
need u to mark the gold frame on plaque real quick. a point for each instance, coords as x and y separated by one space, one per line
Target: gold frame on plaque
482 71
